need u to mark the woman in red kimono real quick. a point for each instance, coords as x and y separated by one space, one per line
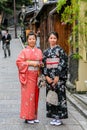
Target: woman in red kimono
28 63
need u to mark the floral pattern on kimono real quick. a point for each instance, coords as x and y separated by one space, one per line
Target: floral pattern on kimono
28 80
55 64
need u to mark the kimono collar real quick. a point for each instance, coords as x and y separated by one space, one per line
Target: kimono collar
53 46
31 48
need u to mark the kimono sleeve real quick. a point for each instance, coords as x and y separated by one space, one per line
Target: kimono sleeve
61 70
44 69
22 67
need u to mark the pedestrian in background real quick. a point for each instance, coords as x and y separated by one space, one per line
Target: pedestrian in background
0 37
28 63
38 40
6 43
55 71
2 34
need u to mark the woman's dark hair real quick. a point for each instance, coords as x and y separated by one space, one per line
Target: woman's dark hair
30 34
54 33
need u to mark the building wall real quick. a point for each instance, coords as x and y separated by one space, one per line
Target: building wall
80 84
83 29
63 31
82 71
44 26
52 23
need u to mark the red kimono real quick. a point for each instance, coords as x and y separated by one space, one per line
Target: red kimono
28 78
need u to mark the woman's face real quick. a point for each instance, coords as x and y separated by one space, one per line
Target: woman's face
32 41
52 40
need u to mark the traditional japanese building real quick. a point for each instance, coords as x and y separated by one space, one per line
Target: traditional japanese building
50 20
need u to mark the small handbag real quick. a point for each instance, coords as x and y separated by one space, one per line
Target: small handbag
41 82
52 97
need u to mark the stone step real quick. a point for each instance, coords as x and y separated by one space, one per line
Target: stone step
82 98
79 102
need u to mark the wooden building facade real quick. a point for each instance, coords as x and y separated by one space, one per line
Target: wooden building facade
50 20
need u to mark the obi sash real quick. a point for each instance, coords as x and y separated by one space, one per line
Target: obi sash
32 67
52 62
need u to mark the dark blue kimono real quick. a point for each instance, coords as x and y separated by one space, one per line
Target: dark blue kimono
55 64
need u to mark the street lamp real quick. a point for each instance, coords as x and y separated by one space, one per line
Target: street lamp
23 10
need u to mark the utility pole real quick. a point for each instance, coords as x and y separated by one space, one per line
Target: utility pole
23 11
15 22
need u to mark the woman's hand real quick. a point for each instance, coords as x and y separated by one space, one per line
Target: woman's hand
55 81
49 80
33 63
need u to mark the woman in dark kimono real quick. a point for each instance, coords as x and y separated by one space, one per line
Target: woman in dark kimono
55 70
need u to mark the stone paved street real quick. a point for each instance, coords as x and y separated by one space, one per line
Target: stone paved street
10 100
